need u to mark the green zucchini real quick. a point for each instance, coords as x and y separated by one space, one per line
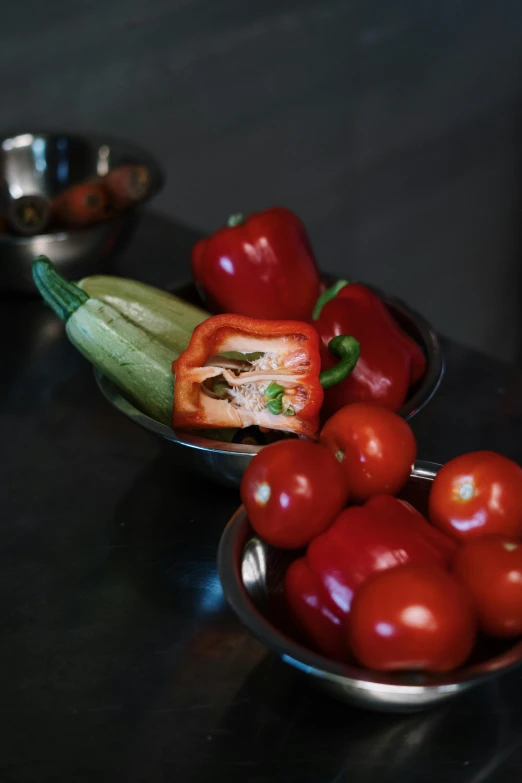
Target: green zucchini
168 318
130 355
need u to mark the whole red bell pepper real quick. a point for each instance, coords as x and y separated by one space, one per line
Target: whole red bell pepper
239 372
313 611
390 360
261 266
384 533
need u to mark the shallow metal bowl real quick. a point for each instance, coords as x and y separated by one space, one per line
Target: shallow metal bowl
226 462
251 574
44 164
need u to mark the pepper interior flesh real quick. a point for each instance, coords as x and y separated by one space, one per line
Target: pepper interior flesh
244 386
257 383
239 372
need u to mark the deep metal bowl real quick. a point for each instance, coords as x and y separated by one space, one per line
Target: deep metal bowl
226 462
44 164
251 574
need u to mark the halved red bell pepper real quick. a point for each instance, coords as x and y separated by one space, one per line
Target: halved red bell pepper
384 533
239 371
390 360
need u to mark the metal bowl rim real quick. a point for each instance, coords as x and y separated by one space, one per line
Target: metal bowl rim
145 157
229 570
427 389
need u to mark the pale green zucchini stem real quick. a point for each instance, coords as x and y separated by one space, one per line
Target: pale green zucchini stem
63 297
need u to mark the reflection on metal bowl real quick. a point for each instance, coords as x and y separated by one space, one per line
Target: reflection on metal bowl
43 164
251 574
226 462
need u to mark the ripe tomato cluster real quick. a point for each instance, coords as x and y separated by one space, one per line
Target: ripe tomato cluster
374 581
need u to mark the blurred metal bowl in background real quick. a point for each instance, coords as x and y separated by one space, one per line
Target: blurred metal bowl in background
251 574
226 462
43 164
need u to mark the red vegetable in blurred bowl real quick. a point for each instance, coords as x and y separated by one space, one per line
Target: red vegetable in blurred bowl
126 185
80 205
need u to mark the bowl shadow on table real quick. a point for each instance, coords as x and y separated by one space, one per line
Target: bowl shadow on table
290 731
166 531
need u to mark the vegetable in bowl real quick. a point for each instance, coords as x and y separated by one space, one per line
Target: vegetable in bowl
137 351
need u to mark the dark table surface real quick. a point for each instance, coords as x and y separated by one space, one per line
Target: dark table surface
119 660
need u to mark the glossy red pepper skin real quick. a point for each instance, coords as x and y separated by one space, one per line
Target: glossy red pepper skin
314 613
293 346
394 510
390 360
262 268
363 539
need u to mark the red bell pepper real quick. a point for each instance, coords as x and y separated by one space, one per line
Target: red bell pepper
390 360
384 533
313 611
262 266
239 372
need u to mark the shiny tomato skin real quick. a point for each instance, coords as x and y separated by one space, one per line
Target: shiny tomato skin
375 447
490 568
411 617
292 491
477 494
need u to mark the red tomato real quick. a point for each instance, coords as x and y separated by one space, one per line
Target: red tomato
375 446
477 494
292 491
411 617
490 568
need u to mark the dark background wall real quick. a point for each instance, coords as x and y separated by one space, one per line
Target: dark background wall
393 127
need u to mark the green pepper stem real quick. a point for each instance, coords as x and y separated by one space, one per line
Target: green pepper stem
273 391
275 406
235 220
325 297
63 297
347 350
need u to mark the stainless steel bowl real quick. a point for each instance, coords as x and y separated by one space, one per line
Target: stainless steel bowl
226 463
44 164
251 574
